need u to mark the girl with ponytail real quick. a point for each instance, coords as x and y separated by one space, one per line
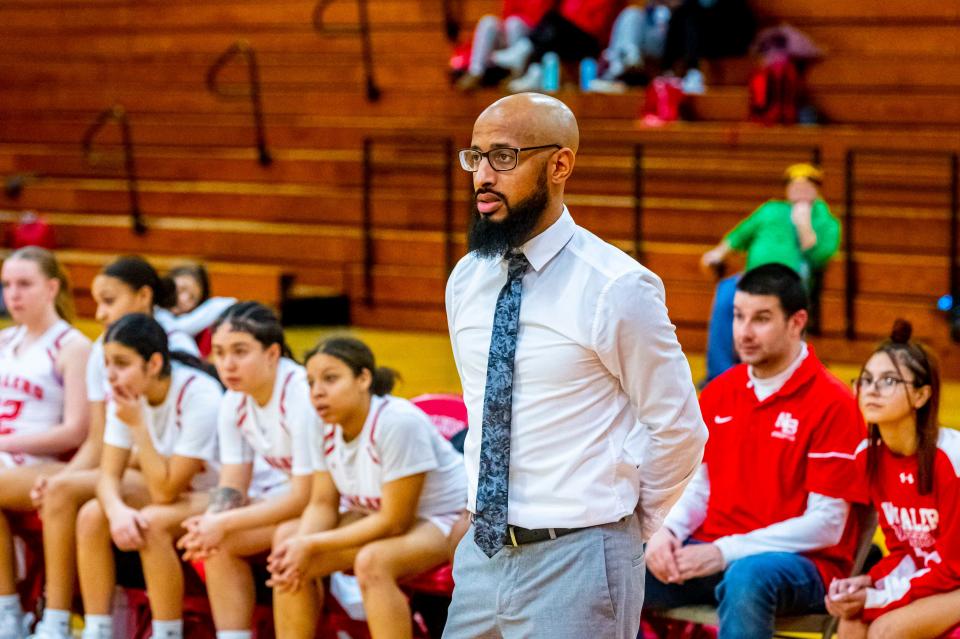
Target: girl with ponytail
126 285
387 491
164 404
266 428
43 409
913 469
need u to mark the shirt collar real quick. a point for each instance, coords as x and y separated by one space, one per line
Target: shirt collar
541 249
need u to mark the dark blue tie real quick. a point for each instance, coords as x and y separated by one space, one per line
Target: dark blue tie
490 522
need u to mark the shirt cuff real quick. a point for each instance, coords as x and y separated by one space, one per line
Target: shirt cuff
731 548
875 598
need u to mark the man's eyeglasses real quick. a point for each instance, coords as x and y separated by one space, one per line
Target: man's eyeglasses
502 158
884 385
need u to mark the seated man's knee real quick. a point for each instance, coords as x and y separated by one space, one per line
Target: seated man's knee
91 520
745 578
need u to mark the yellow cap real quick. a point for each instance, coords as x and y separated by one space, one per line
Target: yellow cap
803 171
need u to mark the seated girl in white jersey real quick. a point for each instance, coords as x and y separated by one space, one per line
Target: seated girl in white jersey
265 415
387 489
43 409
195 310
125 285
913 468
164 405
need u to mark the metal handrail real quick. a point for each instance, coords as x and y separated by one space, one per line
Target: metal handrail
640 151
118 114
367 242
953 243
362 29
243 48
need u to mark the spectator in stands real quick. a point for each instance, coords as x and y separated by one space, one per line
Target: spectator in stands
763 526
126 285
164 404
636 43
492 33
43 410
402 485
195 310
706 29
267 428
798 231
913 468
574 30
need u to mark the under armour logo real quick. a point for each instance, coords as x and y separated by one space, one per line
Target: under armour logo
785 427
906 478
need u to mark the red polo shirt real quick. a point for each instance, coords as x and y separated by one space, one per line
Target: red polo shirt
765 458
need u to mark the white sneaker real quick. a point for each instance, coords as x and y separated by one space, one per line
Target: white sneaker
513 58
11 626
610 87
532 80
693 83
47 632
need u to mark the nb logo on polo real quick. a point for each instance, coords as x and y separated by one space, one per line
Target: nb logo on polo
906 478
785 427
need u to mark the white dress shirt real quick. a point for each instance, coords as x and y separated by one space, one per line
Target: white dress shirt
605 415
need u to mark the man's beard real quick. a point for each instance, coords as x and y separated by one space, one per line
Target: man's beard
494 239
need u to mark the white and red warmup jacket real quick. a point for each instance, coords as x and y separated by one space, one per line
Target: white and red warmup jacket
922 531
774 471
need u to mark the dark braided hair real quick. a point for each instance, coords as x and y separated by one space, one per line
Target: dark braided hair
257 320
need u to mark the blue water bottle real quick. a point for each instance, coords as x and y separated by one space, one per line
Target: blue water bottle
588 72
551 72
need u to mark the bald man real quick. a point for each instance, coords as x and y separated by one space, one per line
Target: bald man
584 423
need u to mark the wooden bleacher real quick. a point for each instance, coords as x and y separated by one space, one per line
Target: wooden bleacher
891 78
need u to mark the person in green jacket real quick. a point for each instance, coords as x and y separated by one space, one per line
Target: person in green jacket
798 231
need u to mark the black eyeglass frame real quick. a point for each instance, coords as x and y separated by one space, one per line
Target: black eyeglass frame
857 383
486 154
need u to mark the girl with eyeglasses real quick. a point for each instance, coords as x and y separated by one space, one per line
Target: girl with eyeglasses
913 469
266 427
387 492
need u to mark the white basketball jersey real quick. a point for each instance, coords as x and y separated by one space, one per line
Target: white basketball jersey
184 424
281 433
31 389
397 440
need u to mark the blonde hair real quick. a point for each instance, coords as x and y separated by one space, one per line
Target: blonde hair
48 264
803 171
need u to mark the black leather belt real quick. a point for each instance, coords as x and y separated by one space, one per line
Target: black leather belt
517 536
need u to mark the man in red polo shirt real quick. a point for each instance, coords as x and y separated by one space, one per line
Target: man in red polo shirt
763 527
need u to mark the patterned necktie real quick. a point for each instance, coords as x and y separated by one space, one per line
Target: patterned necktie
490 522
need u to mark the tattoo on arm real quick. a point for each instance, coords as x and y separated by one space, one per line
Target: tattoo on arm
225 498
